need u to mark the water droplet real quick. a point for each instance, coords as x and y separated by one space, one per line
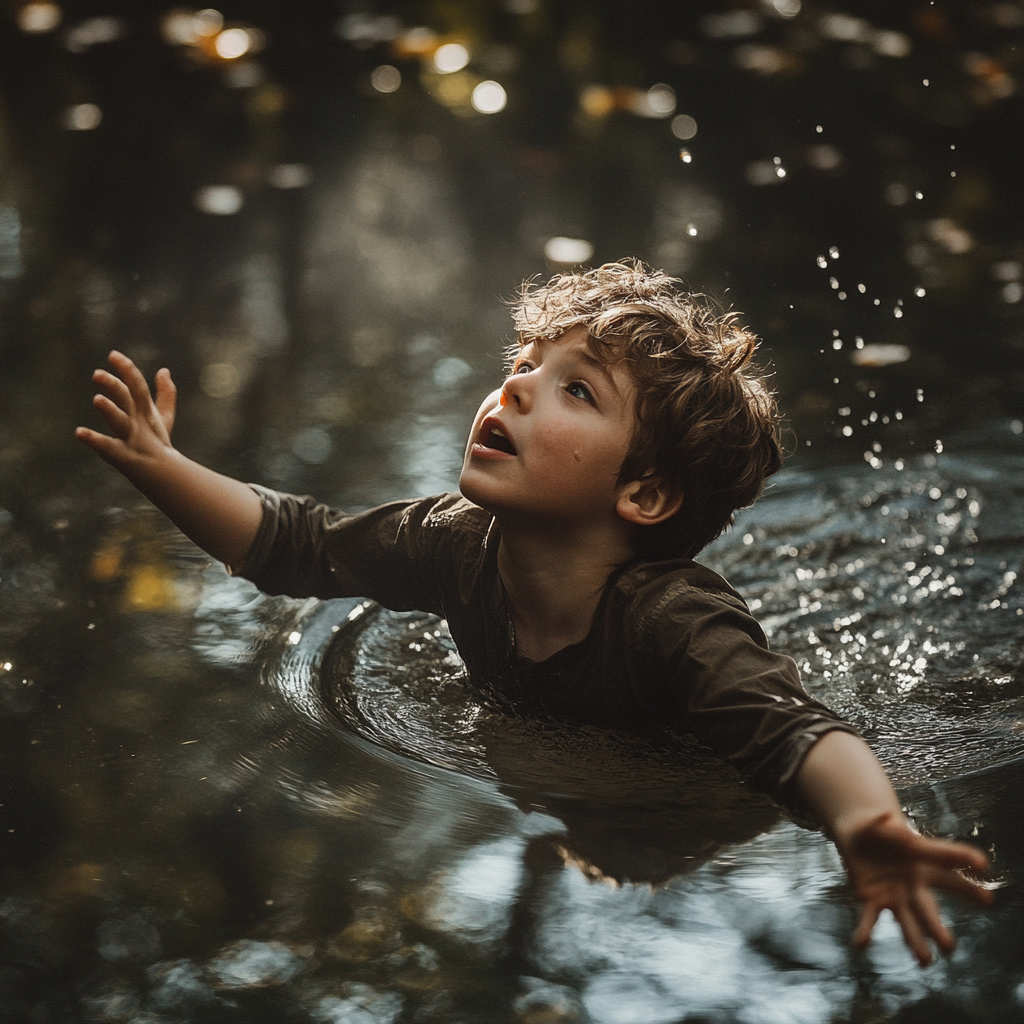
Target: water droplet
920 292
834 252
822 262
925 81
919 195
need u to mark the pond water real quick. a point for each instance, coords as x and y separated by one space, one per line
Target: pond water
232 807
219 806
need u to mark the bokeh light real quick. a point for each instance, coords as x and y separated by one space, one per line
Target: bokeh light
39 17
232 43
888 43
287 176
416 42
244 74
879 355
386 78
661 100
219 200
220 380
597 101
684 127
489 98
83 117
365 30
786 8
568 251
207 22
92 32
824 157
450 57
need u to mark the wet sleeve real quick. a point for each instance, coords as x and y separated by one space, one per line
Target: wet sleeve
398 554
734 694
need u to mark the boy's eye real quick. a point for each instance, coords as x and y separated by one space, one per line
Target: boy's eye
580 390
520 367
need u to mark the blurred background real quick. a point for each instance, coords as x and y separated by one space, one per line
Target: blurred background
313 212
300 207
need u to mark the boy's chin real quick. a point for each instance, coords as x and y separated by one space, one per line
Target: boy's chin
471 493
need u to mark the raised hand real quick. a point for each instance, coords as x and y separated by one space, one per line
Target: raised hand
140 426
220 514
891 867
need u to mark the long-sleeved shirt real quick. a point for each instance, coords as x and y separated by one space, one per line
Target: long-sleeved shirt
672 647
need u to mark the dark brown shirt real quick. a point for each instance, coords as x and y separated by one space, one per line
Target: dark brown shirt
672 646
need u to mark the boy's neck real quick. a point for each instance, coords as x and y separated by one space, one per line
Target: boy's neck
554 583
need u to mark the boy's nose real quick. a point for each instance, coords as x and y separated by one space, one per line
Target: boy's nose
515 391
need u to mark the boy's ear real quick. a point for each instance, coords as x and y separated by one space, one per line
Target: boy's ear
648 501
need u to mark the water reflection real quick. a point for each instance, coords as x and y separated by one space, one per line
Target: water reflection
190 831
229 848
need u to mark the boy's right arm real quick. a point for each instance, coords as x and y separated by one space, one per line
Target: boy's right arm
220 514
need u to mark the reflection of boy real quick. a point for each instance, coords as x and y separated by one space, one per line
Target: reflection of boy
627 433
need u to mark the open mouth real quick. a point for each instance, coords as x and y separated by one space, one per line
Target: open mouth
494 437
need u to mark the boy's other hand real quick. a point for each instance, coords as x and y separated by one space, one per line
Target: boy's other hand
894 868
140 425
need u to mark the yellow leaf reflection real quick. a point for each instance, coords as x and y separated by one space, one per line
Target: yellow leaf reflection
150 588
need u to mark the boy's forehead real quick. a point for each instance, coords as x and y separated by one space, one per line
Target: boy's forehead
604 350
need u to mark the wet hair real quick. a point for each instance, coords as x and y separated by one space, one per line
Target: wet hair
706 420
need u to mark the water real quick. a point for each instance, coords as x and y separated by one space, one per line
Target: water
219 807
247 808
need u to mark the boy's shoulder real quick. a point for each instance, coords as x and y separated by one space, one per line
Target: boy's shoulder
452 511
664 602
674 577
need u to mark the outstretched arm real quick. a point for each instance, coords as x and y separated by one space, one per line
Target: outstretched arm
220 514
890 865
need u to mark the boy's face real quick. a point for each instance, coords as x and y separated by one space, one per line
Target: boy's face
550 442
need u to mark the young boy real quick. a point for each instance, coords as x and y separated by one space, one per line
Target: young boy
627 433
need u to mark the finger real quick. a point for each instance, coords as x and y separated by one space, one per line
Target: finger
166 397
927 910
913 936
117 419
960 885
101 444
868 919
117 388
944 853
133 378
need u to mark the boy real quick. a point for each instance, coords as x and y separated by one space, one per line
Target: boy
626 435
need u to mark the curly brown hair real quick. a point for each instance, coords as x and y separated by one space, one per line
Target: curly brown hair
706 421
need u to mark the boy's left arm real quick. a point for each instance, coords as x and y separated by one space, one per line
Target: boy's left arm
889 864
